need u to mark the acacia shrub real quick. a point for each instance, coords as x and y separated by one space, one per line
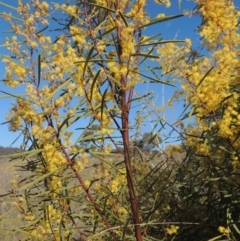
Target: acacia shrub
79 82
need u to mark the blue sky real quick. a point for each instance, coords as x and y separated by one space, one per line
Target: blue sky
180 28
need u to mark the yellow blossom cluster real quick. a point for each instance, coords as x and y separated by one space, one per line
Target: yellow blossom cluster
23 111
119 181
31 20
23 8
173 149
171 56
138 10
32 93
172 229
210 82
138 14
235 161
101 3
12 45
94 93
82 161
108 149
133 79
117 71
122 211
54 163
105 122
53 157
160 15
49 226
15 74
127 42
29 216
222 19
223 230
70 9
78 34
42 9
122 5
64 85
43 134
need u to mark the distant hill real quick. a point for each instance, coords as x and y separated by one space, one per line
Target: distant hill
8 150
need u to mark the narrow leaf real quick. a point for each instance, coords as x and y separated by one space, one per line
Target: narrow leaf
41 30
8 6
139 98
41 178
236 228
163 42
87 60
99 6
106 32
106 154
146 55
39 69
94 61
98 156
64 122
123 18
93 83
149 52
25 153
65 10
5 15
179 4
114 80
216 238
149 38
103 101
160 20
11 60
155 80
11 96
49 48
58 89
204 77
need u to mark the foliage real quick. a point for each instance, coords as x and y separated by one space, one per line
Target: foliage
208 178
79 82
84 78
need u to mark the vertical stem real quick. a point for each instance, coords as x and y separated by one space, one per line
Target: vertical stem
132 194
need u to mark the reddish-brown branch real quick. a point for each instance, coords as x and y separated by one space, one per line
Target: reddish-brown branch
86 189
126 106
125 134
131 189
50 123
